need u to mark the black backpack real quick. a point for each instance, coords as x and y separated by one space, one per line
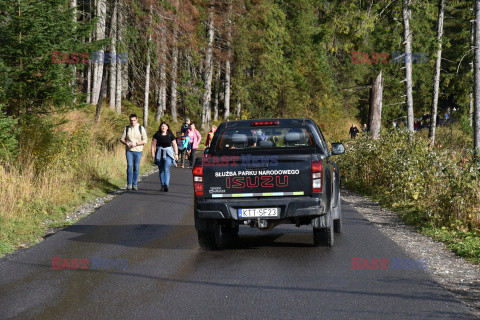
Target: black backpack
139 128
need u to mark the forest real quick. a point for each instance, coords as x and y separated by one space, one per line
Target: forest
219 59
72 70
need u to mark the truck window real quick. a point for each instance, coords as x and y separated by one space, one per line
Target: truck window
264 138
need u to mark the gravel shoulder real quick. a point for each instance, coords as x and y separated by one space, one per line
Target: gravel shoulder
455 274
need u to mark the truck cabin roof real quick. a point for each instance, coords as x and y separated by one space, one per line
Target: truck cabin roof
263 123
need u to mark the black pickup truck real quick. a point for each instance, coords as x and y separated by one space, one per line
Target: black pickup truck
267 172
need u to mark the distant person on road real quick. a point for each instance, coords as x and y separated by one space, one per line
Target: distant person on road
133 137
182 149
353 131
185 127
164 152
195 138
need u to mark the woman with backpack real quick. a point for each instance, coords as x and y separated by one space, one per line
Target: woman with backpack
164 152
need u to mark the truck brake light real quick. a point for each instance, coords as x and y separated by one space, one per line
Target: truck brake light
264 123
317 176
198 180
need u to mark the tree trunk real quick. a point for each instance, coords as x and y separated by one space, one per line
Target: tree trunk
227 64
147 91
120 64
147 75
158 102
162 99
131 76
472 47
436 80
89 72
476 113
102 94
408 62
89 83
113 60
376 97
239 109
173 77
217 93
206 114
73 4
100 34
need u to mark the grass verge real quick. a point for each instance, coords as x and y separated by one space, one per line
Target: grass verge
66 161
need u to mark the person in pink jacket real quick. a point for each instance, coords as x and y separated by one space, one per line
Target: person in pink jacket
195 138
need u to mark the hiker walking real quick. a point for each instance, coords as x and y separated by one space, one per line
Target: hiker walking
182 144
195 138
133 137
353 131
165 153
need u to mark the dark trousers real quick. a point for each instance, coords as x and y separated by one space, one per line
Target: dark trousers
181 156
192 157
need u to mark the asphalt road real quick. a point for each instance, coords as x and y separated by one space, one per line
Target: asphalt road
159 272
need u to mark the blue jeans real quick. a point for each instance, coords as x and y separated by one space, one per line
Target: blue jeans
164 167
133 167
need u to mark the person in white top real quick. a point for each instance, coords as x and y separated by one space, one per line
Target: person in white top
133 137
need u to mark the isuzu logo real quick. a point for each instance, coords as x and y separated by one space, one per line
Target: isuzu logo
257 181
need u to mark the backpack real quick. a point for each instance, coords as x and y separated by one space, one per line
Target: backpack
139 128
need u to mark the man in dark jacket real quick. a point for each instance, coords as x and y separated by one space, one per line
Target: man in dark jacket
185 127
353 131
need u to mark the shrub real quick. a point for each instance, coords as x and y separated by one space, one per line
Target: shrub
8 139
438 186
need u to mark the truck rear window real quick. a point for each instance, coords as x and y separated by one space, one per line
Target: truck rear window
265 137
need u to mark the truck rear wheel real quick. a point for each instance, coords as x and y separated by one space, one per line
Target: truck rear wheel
323 236
230 231
209 240
337 223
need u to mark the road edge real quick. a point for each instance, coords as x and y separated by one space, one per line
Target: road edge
455 274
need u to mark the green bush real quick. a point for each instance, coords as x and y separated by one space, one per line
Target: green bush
8 139
436 186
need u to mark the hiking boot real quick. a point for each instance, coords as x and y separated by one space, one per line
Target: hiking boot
129 187
135 188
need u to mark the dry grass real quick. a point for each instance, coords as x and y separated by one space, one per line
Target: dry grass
37 191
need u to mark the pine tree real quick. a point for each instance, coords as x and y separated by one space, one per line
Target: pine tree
38 42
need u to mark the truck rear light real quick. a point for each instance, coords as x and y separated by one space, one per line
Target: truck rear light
198 180
264 123
317 177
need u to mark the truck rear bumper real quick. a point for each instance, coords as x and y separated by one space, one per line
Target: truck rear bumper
290 207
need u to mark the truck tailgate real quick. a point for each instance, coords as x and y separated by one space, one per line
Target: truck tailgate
257 176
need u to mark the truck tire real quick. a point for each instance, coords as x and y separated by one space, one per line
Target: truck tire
230 231
323 236
337 223
209 240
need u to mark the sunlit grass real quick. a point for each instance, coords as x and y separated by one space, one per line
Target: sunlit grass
37 192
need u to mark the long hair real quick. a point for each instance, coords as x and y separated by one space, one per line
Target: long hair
168 128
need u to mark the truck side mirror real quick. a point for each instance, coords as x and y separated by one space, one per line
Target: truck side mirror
338 148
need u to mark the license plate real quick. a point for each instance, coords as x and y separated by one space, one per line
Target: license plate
258 212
